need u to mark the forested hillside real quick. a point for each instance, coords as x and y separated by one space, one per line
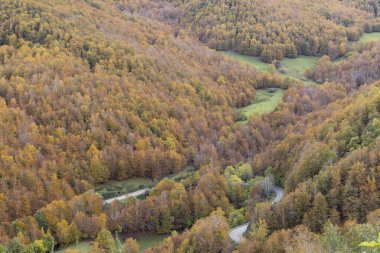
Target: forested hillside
335 152
89 94
361 67
101 91
329 164
328 167
270 29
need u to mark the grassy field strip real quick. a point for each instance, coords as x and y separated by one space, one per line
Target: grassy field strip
265 102
145 242
83 246
369 37
292 68
295 68
250 60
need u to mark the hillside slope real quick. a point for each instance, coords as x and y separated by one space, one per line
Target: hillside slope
90 94
361 67
270 29
335 152
329 161
99 90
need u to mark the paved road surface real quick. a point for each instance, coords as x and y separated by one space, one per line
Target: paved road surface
132 194
279 194
237 233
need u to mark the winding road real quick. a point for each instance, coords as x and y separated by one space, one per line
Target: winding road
125 196
236 234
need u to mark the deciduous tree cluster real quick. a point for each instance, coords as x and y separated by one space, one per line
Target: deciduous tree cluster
329 165
88 94
361 67
271 30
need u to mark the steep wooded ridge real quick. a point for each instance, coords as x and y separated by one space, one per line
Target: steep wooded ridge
270 29
334 152
329 163
88 93
99 90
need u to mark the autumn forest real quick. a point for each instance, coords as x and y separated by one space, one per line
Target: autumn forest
217 126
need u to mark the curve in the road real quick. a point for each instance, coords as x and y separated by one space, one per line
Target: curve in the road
279 194
236 234
125 196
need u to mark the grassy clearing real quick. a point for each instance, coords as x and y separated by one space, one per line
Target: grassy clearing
295 68
83 246
116 188
145 242
148 241
250 60
292 68
369 37
265 102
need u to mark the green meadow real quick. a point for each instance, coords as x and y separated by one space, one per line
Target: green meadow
369 37
265 102
292 68
144 241
295 68
83 246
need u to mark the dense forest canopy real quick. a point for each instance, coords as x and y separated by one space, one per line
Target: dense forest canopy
93 95
94 91
371 6
361 67
270 29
